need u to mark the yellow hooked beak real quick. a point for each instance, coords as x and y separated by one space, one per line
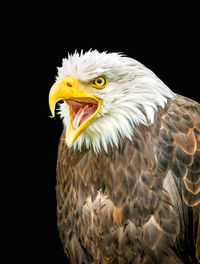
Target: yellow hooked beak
83 106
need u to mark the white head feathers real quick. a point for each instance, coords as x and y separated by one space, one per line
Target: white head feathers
130 98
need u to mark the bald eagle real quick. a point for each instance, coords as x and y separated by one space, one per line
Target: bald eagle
128 168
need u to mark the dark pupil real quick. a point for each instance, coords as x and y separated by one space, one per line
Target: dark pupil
99 81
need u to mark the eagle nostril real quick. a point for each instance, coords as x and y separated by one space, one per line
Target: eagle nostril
69 84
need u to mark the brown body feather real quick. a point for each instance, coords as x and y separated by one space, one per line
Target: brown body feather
139 203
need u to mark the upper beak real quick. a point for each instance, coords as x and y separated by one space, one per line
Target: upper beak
80 100
61 90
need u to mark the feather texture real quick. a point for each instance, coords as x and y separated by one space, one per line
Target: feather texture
138 203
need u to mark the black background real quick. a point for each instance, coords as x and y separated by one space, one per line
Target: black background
166 41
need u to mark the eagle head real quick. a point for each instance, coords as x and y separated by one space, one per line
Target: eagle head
104 96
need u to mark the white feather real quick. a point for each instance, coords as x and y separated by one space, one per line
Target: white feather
130 98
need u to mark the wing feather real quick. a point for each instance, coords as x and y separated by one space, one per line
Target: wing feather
181 124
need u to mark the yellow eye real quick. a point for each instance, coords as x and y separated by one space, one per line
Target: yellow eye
99 82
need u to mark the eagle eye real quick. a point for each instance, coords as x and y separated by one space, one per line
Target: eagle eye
99 82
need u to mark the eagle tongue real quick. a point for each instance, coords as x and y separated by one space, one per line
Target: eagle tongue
79 116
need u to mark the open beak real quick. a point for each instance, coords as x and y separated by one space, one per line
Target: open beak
83 106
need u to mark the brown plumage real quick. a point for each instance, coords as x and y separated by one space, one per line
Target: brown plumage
138 203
